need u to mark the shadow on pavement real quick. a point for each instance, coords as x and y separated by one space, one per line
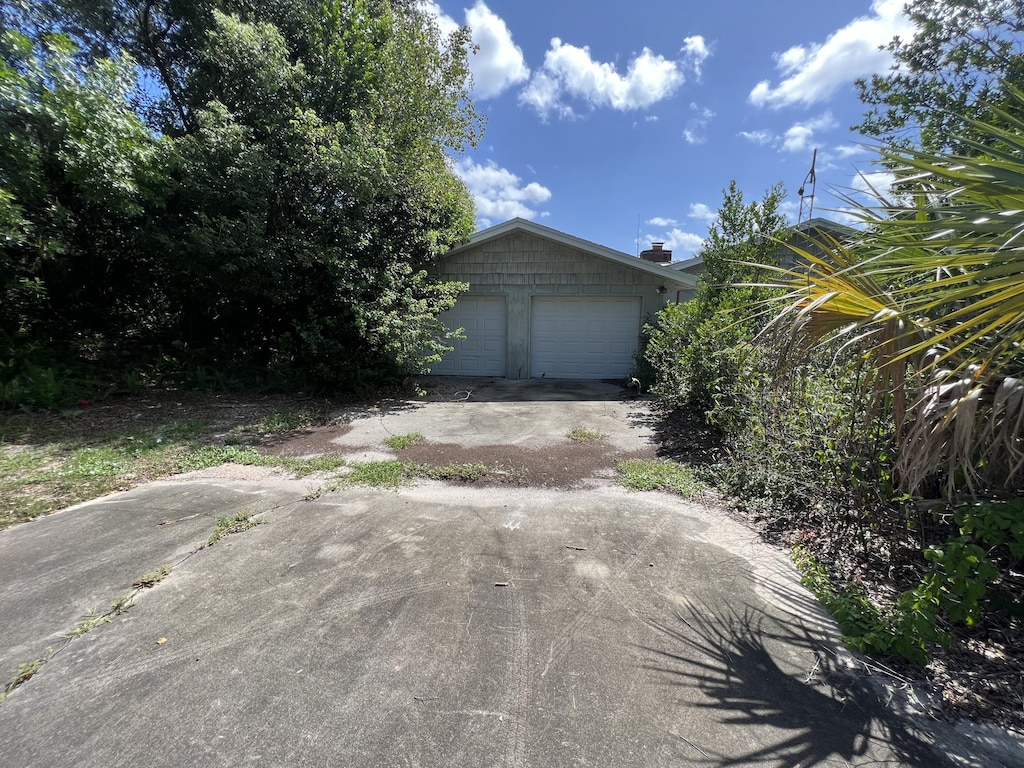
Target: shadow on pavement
488 390
723 662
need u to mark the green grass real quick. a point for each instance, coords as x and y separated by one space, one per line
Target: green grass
57 471
398 442
465 473
378 474
584 435
654 475
228 526
287 420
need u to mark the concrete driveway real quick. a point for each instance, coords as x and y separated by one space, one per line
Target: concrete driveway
439 625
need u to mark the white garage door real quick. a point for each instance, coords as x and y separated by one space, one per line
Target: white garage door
482 352
584 338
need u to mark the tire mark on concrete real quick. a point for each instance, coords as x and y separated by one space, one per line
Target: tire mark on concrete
607 590
517 686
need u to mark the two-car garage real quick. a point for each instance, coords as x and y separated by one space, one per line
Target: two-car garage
543 304
570 337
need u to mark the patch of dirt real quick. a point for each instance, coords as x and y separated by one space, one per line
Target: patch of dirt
314 441
119 415
560 465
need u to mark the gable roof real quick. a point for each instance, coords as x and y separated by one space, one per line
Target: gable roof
532 228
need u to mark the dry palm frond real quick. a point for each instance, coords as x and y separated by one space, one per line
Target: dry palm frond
932 298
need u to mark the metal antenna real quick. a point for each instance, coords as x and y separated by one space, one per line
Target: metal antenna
807 198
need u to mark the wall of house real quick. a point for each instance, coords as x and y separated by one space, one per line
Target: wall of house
520 265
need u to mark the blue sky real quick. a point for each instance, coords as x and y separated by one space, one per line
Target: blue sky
606 113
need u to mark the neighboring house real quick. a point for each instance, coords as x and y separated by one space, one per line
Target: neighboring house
544 304
802 236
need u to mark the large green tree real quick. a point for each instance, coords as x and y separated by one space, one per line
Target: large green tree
306 145
696 347
78 170
952 69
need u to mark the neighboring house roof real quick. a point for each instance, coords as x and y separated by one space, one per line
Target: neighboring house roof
693 261
522 225
798 235
827 226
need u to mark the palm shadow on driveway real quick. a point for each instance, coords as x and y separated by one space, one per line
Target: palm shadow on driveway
722 662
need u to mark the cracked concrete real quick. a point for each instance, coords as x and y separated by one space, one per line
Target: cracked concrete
436 626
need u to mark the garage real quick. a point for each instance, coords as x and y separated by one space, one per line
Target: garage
584 338
543 303
482 352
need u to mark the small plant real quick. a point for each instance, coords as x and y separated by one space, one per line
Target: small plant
398 442
653 475
466 473
25 673
227 526
287 420
90 621
379 474
584 435
154 578
121 605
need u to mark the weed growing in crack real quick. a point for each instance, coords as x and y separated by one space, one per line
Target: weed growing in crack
398 442
154 578
226 526
378 474
652 475
90 621
584 435
395 474
121 605
25 673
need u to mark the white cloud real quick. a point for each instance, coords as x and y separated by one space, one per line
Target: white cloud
660 221
695 131
790 210
868 183
702 212
498 63
811 73
760 137
800 136
498 193
695 52
682 244
571 73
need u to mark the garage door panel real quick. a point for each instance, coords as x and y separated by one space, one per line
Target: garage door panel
482 352
591 338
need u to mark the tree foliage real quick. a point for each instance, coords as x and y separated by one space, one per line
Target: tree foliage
265 193
954 68
695 347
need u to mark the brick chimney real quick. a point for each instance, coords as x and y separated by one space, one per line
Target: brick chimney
657 254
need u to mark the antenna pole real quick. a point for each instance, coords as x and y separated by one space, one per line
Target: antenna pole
807 198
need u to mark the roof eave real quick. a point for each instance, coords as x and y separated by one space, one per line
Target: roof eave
518 224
